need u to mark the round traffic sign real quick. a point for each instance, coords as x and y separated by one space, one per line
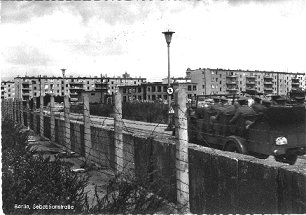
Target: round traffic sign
170 90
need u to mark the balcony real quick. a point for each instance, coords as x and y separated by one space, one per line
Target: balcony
73 93
76 87
77 82
250 77
295 84
268 88
232 89
231 76
231 82
25 85
250 82
268 91
268 83
99 86
250 88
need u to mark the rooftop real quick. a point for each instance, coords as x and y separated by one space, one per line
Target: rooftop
250 71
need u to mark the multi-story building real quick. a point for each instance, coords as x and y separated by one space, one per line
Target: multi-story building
7 89
222 81
28 87
155 91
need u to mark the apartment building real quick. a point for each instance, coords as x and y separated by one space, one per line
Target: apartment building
222 81
155 91
28 87
7 89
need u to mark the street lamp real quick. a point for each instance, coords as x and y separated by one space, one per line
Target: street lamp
168 37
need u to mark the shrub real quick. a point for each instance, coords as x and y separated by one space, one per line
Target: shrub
128 194
28 179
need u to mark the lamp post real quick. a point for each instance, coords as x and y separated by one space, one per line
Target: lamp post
168 37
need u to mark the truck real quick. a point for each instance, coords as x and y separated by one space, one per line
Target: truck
279 131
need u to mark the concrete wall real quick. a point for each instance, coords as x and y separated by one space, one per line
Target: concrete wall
47 126
77 138
223 182
60 131
103 148
32 120
220 182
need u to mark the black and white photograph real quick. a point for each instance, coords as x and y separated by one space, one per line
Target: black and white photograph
153 106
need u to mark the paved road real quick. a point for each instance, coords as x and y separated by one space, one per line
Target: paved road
130 126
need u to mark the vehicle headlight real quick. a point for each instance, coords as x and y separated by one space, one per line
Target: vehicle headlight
281 141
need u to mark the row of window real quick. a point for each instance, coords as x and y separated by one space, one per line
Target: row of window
149 97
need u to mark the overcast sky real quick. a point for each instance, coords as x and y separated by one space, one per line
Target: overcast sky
113 37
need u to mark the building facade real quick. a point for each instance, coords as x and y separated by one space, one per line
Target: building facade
94 97
221 81
155 91
28 87
7 89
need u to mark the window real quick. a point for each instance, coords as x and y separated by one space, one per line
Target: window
87 82
124 98
165 88
189 87
149 89
159 88
194 87
139 97
124 90
87 88
112 82
139 89
57 91
153 97
134 82
93 94
203 86
153 90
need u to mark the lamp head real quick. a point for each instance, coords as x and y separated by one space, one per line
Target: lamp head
168 36
63 72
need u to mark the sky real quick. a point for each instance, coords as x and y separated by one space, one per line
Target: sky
90 38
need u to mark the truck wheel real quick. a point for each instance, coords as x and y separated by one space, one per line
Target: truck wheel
235 144
287 158
232 147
